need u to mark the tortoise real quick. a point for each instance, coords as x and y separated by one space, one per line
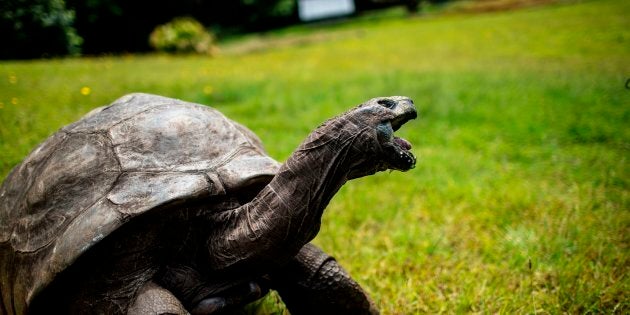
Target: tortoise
154 205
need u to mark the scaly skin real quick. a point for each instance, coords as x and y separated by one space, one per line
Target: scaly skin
273 229
314 283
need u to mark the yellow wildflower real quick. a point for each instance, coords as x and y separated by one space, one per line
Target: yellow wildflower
85 91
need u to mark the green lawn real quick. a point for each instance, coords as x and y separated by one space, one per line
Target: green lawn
519 202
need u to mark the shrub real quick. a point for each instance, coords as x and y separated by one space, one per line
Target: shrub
182 35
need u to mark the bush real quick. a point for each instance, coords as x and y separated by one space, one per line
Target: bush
182 35
37 28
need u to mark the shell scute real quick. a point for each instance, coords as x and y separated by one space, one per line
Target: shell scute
105 117
19 180
179 137
68 182
139 192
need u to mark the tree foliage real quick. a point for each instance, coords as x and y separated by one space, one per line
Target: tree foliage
36 28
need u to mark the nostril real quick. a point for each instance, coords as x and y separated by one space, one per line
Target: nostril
387 103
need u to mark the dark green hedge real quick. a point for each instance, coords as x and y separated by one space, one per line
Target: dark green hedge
37 28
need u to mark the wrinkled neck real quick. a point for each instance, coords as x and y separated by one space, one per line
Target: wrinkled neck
308 180
286 214
313 175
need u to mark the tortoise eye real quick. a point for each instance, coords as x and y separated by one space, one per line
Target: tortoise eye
387 103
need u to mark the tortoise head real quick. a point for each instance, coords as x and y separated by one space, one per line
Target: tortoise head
368 132
382 117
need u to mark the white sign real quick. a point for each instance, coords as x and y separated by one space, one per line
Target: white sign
310 10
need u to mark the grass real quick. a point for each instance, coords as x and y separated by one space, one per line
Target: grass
519 202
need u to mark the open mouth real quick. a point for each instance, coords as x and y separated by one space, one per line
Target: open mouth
397 150
401 158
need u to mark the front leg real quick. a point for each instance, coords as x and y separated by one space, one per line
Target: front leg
153 299
314 283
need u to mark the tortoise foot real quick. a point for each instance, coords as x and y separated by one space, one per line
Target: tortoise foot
231 299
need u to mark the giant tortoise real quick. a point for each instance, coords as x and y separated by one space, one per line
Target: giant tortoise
154 205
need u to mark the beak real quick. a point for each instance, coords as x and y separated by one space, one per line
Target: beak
403 108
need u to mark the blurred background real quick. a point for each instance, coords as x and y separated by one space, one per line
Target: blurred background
519 201
36 28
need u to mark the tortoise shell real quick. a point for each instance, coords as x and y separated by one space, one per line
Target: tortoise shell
117 162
